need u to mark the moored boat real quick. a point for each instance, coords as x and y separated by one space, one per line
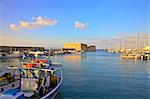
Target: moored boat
130 56
10 85
39 79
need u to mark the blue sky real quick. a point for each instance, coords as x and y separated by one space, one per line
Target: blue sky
100 19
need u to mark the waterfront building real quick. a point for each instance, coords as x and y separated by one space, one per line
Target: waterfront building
19 48
91 48
80 47
77 46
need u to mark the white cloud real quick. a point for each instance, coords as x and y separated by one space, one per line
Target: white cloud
13 26
37 22
80 25
25 24
43 21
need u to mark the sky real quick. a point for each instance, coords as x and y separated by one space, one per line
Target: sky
51 23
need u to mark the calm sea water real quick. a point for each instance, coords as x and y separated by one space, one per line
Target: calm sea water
101 75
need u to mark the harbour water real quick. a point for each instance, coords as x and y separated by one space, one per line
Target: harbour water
101 75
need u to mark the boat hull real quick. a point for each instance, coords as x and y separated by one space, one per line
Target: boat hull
53 93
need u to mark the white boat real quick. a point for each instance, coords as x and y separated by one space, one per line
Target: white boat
36 53
40 79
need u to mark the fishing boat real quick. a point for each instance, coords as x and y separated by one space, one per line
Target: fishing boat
40 80
46 61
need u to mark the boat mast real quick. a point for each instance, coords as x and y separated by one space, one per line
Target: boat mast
149 39
137 41
122 41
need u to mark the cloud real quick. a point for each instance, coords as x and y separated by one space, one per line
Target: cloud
37 22
25 24
80 25
13 26
43 21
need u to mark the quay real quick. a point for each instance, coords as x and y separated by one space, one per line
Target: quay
19 48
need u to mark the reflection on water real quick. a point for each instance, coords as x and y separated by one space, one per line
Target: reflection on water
101 75
58 96
3 60
73 59
70 60
8 62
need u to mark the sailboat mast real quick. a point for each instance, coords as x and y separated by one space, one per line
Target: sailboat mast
122 41
137 41
149 39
